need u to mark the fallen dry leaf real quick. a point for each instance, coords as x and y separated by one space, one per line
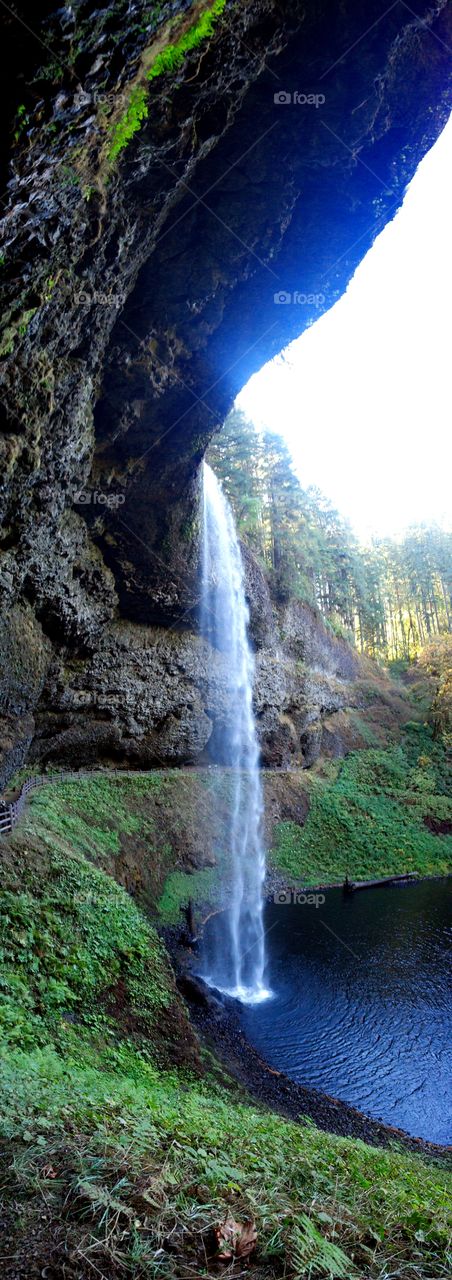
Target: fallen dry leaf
235 1239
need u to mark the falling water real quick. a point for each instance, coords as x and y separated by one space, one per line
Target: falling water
237 966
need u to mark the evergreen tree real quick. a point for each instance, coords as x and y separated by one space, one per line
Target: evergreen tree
391 597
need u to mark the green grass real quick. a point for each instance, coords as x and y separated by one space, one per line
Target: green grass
112 1152
158 1156
92 817
76 950
69 939
91 814
368 820
201 886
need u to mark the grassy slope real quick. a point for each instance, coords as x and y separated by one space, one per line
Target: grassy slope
366 816
80 963
139 1159
150 832
122 1159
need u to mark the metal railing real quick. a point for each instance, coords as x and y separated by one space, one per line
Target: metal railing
10 813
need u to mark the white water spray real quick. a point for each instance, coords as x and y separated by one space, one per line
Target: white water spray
238 966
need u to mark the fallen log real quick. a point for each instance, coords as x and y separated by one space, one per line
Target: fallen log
353 886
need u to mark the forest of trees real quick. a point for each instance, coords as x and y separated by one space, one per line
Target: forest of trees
390 597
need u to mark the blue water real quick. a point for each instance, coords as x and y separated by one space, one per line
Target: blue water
362 1002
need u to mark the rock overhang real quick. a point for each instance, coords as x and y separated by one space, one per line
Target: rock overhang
138 302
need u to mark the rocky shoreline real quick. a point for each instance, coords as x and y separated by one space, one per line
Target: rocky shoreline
216 1020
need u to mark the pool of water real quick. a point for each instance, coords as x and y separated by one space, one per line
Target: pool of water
361 1004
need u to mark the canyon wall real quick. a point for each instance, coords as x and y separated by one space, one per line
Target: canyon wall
167 228
151 696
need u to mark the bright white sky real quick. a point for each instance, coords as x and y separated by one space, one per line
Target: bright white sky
363 397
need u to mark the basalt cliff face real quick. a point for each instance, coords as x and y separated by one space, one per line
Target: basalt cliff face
153 212
155 695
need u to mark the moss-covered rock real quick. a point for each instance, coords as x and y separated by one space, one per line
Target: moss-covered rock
24 658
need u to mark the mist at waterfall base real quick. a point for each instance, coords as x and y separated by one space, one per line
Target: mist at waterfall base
234 961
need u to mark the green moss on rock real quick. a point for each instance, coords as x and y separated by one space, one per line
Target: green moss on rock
168 60
171 58
129 123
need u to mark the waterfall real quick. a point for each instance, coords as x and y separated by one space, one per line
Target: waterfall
238 963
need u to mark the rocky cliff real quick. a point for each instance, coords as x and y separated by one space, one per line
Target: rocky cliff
154 696
188 186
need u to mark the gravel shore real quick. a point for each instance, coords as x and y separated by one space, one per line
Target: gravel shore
217 1022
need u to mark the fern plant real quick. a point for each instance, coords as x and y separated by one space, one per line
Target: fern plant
312 1255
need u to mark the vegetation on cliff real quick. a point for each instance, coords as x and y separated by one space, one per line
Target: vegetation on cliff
168 59
383 810
390 598
436 660
80 963
375 814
